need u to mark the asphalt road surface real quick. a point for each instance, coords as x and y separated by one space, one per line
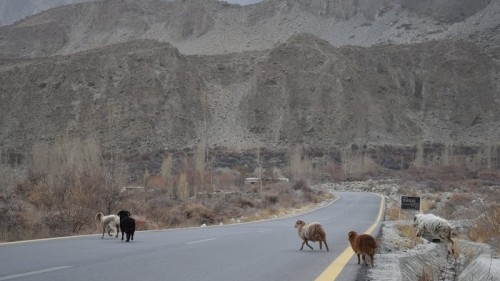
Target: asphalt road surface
267 250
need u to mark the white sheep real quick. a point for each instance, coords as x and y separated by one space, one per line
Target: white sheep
311 232
109 222
434 225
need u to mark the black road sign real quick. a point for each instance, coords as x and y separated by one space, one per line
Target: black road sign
410 203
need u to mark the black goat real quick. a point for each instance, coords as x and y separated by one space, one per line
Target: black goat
127 224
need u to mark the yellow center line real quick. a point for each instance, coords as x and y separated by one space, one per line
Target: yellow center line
334 269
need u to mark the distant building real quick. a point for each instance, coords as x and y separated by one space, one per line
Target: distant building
250 181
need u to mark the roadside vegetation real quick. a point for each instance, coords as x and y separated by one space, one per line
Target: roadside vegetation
64 184
68 182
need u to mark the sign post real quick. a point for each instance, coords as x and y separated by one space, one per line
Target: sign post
409 203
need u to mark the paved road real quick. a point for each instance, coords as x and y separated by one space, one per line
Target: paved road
254 251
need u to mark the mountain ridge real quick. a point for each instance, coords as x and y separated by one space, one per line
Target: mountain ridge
212 27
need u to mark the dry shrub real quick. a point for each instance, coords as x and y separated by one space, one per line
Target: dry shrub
408 190
460 198
438 174
270 200
426 276
245 203
357 164
11 208
392 213
456 204
183 186
157 211
65 187
427 204
301 185
336 172
491 175
487 229
264 214
171 217
38 196
226 178
199 213
288 199
409 233
180 215
300 166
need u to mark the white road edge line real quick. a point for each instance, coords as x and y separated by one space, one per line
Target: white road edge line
9 277
197 241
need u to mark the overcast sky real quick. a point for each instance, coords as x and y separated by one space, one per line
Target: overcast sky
243 2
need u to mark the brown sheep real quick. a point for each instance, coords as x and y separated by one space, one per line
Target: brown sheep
311 232
363 244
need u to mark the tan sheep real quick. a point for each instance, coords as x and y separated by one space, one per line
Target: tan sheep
109 223
311 232
363 245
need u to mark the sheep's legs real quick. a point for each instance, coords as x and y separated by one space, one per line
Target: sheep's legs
305 242
326 245
452 251
371 260
359 261
364 259
450 244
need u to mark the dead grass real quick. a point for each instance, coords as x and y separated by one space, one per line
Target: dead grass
426 276
392 213
487 228
409 233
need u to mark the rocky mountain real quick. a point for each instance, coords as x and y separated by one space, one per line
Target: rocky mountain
143 77
213 27
13 10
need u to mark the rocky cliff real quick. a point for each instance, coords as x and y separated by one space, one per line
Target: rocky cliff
143 77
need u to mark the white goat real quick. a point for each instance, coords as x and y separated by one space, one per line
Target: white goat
311 232
434 225
109 222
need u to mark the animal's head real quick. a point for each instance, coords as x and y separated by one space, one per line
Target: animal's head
300 223
98 216
416 219
123 214
351 235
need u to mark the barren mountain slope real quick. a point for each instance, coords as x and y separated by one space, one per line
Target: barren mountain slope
142 97
148 76
212 27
